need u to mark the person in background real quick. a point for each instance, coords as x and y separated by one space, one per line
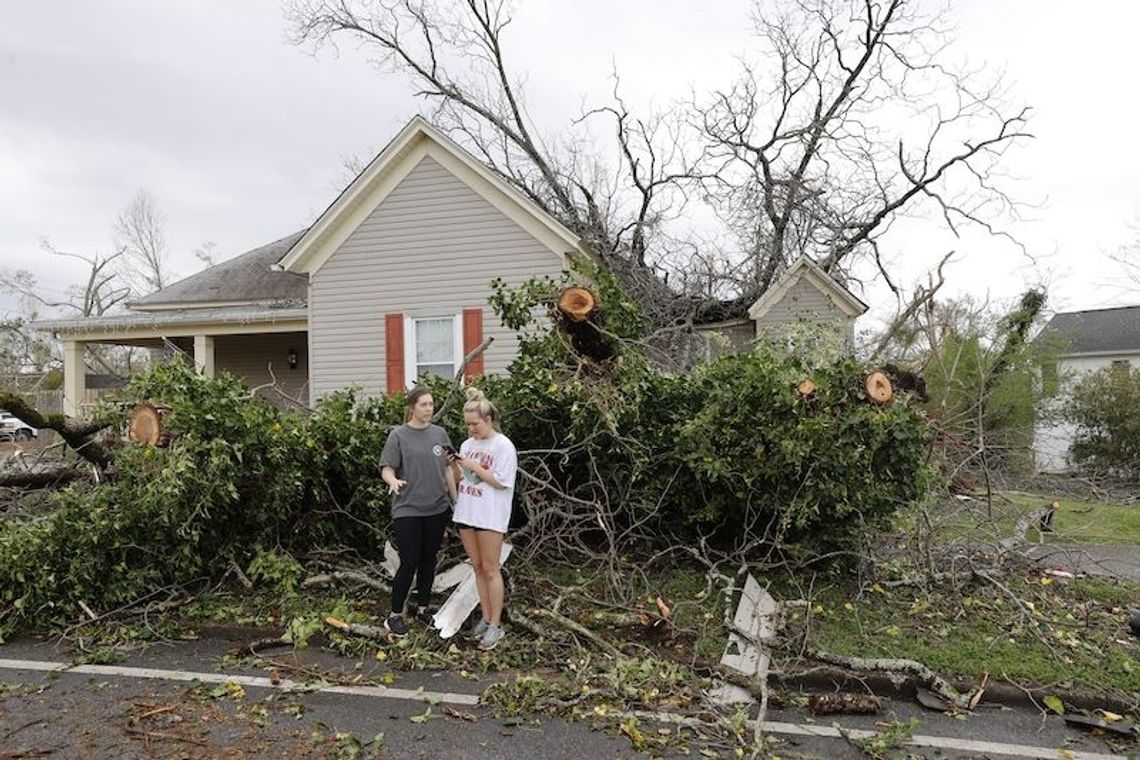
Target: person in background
415 465
488 463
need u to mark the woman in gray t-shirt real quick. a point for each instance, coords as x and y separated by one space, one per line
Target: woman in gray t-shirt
415 466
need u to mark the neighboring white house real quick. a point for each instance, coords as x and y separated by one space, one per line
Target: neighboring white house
1085 341
392 280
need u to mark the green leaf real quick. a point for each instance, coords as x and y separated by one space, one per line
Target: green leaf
1054 703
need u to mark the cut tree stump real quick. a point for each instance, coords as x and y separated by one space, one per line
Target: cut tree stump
145 425
806 387
577 304
878 388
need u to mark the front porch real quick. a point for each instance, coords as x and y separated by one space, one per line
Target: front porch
267 347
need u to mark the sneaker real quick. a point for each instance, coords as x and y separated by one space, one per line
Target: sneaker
426 616
491 637
475 632
396 626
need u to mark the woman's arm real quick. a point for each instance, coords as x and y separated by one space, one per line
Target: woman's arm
388 475
481 472
452 478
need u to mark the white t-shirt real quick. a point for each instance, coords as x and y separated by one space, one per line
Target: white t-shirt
481 505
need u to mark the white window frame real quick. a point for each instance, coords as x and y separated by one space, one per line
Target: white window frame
411 373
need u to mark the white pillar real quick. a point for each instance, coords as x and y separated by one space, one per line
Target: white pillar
204 354
74 377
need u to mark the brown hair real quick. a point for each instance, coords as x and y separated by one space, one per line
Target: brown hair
414 395
478 403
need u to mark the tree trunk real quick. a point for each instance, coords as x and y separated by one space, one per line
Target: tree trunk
78 434
580 320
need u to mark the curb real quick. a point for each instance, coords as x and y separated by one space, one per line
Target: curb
901 687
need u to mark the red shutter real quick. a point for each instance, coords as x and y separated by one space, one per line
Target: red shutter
394 352
472 337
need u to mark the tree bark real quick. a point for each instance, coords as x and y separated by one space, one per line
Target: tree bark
79 434
41 478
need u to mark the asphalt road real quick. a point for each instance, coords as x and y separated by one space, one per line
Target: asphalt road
114 711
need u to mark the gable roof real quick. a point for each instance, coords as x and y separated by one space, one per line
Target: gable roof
803 267
415 141
247 278
1096 331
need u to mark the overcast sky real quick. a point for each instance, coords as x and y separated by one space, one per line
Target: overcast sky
241 137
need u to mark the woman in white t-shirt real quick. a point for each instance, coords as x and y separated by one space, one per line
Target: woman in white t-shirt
487 464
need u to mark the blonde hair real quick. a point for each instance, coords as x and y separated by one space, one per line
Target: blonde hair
478 403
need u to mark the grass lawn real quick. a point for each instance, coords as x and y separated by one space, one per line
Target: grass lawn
1072 634
1080 522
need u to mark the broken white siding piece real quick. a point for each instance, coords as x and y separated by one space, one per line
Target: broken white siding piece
391 561
756 619
462 602
452 576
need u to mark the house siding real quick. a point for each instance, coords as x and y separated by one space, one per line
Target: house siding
430 248
725 338
251 357
804 302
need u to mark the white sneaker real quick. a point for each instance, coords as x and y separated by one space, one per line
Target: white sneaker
475 632
491 637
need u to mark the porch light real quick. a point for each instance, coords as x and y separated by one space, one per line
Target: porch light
291 357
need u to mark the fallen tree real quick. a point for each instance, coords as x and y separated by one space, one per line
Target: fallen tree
79 434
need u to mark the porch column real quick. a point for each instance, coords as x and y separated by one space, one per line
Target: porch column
204 354
74 377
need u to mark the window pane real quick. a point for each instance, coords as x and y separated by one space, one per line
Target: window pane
435 343
443 370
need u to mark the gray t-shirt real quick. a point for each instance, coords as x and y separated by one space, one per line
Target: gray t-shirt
417 456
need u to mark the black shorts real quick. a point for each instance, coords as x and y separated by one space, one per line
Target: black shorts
465 526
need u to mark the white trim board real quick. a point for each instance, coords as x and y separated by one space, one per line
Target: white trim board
839 295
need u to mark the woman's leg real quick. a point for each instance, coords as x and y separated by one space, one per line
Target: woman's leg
409 542
490 545
471 545
434 527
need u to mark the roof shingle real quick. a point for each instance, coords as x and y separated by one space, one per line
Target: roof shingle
244 278
1096 330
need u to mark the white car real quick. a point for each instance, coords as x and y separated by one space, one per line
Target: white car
13 428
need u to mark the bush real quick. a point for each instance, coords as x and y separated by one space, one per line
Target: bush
1105 407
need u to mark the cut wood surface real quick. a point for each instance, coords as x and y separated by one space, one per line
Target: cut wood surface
577 304
806 387
878 387
145 425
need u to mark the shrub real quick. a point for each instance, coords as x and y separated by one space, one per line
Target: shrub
1105 407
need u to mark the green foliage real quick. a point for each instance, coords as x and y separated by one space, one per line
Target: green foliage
983 384
728 449
1105 406
240 479
728 452
820 471
276 569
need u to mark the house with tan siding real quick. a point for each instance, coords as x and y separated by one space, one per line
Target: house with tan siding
391 280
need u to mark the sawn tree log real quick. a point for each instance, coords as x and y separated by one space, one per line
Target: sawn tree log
579 318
